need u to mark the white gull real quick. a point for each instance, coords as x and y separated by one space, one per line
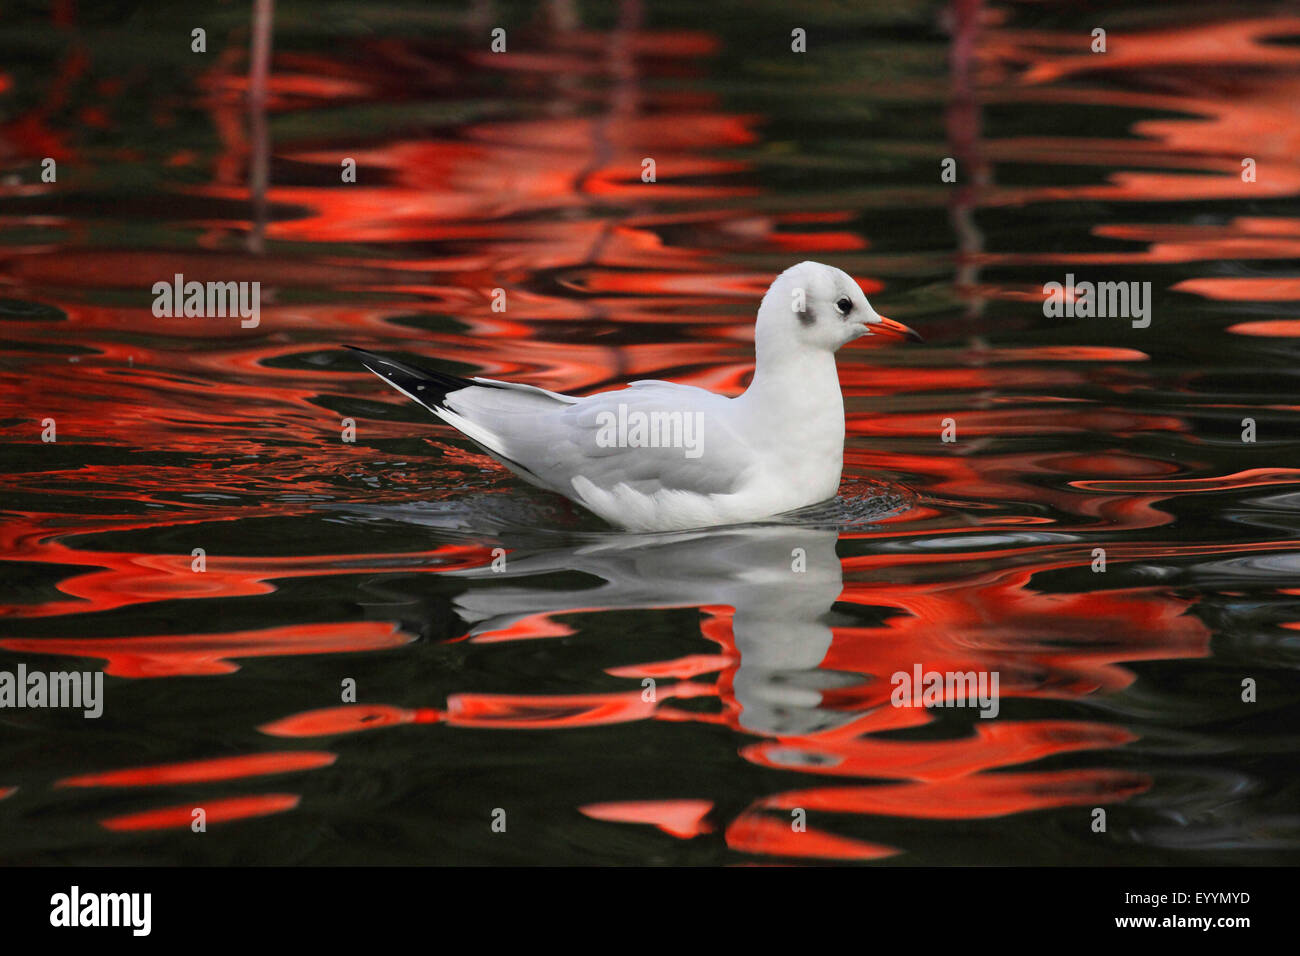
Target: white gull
659 456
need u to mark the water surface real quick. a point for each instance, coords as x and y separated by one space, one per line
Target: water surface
524 689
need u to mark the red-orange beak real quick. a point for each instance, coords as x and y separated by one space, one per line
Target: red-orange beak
889 329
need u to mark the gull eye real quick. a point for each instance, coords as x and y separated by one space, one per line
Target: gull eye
843 305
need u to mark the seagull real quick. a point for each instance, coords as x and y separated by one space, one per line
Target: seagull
660 456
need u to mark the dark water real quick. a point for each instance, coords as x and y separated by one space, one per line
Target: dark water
522 689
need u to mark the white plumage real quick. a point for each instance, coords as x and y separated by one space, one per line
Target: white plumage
658 456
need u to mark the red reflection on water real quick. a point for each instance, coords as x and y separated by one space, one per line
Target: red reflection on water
222 810
1042 644
1225 88
533 625
173 655
204 771
343 720
1244 289
1246 42
988 795
683 819
122 579
683 667
767 836
550 711
995 745
1277 328
1251 478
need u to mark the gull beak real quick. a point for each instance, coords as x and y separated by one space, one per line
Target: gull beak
890 329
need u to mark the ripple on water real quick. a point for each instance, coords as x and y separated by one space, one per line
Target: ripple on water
860 505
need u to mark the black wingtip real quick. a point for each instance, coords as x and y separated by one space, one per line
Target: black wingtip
425 386
364 353
371 360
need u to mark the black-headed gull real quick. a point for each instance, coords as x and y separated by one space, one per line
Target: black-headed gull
659 456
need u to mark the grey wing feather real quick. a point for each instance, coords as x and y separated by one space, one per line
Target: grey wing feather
698 451
551 439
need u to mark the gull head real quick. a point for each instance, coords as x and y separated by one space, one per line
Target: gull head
816 306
